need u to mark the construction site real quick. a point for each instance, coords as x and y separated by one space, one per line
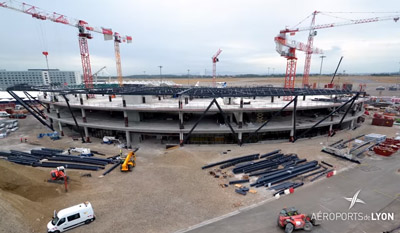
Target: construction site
206 154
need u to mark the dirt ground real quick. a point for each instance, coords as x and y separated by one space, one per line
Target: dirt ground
167 190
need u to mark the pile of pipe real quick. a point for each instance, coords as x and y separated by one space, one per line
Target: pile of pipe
40 158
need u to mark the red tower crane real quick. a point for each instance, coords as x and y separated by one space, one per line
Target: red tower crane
312 32
214 61
287 48
84 34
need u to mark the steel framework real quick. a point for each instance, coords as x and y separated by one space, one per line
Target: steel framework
200 92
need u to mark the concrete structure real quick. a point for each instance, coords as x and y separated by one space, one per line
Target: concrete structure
38 77
169 120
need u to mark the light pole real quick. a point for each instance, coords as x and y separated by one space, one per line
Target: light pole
160 74
320 69
188 76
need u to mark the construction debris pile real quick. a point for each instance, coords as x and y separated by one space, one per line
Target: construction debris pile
48 157
7 126
269 169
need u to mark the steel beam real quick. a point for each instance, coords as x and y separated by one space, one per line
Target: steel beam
326 117
22 102
73 116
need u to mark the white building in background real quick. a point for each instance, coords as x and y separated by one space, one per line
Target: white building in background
38 77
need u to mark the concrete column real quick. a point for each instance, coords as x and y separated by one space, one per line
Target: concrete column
128 139
352 124
240 138
126 119
80 99
86 134
180 103
181 138
61 129
123 101
83 115
330 130
332 115
240 119
181 120
58 113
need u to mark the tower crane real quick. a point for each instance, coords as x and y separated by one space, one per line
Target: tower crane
214 61
287 48
312 33
84 34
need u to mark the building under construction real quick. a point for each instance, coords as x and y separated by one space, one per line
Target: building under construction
197 115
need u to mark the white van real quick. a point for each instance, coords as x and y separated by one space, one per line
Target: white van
71 217
4 114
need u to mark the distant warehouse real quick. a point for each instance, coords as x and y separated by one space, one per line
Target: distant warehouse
38 77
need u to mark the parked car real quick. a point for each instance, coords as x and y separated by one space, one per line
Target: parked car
4 114
18 116
380 88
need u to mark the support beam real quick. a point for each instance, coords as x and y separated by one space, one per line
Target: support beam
39 118
181 138
197 122
33 107
240 123
293 133
181 126
326 117
123 101
128 139
273 116
83 115
126 120
227 122
348 109
76 122
86 133
201 117
58 113
61 129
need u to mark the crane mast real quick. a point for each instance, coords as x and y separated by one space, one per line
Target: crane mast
214 61
84 34
310 42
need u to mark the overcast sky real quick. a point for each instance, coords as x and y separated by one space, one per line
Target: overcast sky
184 34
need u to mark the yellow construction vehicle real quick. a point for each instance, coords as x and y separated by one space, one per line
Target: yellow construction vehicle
129 162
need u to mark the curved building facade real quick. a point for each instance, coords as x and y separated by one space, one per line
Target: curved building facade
203 120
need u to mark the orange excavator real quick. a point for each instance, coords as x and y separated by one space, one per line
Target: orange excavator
59 175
